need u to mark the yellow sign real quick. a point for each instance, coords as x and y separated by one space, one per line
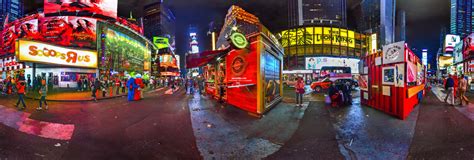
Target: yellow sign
37 52
373 44
445 61
318 35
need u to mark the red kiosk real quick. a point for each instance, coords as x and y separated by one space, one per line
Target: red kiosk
247 69
392 81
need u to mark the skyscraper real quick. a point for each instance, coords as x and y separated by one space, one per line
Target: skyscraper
159 20
377 16
461 17
12 8
401 26
317 12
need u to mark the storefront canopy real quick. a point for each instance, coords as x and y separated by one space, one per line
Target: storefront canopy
203 58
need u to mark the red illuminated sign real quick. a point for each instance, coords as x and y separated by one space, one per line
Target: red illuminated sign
96 8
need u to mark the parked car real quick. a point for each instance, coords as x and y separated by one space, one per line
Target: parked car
324 84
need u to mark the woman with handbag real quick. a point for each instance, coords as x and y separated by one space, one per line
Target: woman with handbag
299 88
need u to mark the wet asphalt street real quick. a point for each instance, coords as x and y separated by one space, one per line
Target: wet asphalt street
181 126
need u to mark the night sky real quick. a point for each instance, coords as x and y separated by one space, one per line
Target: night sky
425 18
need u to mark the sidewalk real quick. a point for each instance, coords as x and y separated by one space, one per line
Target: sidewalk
77 96
467 110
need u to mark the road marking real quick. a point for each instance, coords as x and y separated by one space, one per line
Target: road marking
20 121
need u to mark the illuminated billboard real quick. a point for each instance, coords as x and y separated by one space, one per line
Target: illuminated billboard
315 63
124 52
445 61
161 42
468 45
318 35
69 31
450 42
96 8
37 52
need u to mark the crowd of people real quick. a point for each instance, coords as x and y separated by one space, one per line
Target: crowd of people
19 86
338 94
456 88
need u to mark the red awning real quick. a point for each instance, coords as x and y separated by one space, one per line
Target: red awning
203 58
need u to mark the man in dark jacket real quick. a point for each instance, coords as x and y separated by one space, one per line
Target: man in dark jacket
449 87
346 91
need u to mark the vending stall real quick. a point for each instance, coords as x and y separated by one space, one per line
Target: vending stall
247 70
392 81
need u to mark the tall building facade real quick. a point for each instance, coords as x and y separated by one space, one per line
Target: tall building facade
159 20
461 17
377 16
317 12
12 8
401 26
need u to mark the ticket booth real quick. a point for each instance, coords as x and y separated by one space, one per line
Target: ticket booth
392 81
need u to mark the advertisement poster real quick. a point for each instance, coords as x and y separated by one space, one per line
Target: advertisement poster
31 51
400 79
388 75
56 30
468 45
83 31
318 35
451 41
315 63
411 72
394 53
8 40
419 79
242 78
272 78
386 90
364 82
125 53
27 28
98 8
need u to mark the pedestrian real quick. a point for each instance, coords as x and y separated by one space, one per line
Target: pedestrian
117 85
299 89
172 87
43 92
28 82
139 90
462 90
186 85
95 87
103 86
79 84
346 92
85 84
449 87
122 84
21 93
334 95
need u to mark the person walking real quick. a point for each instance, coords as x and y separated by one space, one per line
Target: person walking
449 87
346 91
43 92
299 89
95 87
462 90
79 84
103 86
21 93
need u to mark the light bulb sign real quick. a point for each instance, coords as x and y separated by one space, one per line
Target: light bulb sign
239 40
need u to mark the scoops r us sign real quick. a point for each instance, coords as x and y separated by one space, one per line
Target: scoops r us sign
37 52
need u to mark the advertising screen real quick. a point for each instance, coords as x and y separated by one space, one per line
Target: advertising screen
161 42
315 63
451 41
126 52
468 45
97 8
27 28
83 31
8 40
56 30
318 35
272 78
444 62
31 51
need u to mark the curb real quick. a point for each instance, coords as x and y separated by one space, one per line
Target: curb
87 100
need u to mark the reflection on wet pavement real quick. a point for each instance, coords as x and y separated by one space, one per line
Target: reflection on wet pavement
366 133
224 132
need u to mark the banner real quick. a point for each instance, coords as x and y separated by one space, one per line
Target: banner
400 77
37 52
394 53
56 30
97 8
315 63
83 32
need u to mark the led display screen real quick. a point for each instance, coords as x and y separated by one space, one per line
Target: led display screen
126 52
96 8
318 35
